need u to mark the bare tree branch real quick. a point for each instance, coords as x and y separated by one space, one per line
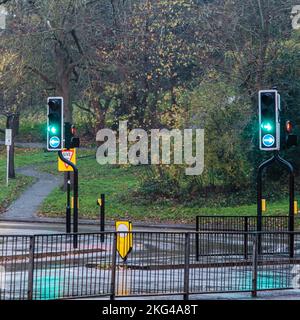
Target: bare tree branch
41 75
73 33
84 109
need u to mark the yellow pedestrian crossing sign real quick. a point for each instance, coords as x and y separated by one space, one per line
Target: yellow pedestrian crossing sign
124 238
69 154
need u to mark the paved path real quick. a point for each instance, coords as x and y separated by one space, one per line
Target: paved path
26 206
38 145
31 145
24 209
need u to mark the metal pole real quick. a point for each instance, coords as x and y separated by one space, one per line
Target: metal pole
31 268
246 237
292 216
254 265
7 165
186 267
291 225
75 194
113 268
102 217
197 238
259 208
68 208
75 212
259 197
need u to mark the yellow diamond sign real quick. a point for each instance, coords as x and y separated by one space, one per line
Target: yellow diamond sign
69 154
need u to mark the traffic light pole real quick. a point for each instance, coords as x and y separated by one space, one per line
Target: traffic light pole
261 168
68 207
102 217
75 193
289 167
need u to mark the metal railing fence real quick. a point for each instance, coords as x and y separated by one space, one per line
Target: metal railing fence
43 267
244 223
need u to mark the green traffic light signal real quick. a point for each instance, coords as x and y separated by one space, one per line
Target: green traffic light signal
267 126
55 124
52 130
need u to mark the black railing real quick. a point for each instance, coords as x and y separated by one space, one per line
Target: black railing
45 267
244 223
14 267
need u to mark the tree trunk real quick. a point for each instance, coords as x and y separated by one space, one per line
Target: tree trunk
63 86
99 114
11 167
63 90
63 71
65 93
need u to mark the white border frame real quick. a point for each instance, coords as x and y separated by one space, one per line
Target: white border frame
62 123
277 147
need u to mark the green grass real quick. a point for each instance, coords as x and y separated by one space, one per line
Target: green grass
15 186
118 183
27 157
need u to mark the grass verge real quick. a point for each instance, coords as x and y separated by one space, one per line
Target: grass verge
19 184
119 183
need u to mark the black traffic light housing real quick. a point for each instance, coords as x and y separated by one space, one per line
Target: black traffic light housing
70 140
291 139
55 121
269 120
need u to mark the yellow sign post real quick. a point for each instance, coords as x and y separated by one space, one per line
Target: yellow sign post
263 205
124 238
72 203
69 154
295 207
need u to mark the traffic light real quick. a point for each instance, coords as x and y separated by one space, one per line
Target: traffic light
291 139
68 135
289 127
55 121
70 140
75 142
269 122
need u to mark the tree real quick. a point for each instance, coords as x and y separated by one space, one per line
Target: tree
152 53
12 95
52 37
